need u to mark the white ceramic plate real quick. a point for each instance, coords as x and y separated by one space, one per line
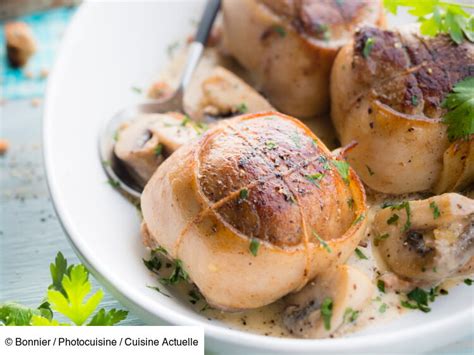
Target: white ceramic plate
110 47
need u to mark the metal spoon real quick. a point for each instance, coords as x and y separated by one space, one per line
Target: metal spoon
115 169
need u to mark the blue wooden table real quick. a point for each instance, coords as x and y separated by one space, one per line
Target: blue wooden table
30 233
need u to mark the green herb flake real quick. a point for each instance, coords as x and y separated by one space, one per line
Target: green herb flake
435 209
242 108
350 203
381 285
326 312
322 242
393 219
414 100
350 315
358 219
368 45
383 307
280 30
116 136
371 172
177 275
114 183
159 149
157 289
421 298
380 238
137 90
360 254
194 296
406 206
315 178
343 169
271 145
254 245
468 282
244 193
185 121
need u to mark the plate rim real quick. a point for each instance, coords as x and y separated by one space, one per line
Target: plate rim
457 325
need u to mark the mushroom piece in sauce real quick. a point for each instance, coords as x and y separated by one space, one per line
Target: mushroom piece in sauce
427 240
323 305
144 143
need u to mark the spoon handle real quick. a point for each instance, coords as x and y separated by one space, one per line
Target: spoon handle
197 46
205 26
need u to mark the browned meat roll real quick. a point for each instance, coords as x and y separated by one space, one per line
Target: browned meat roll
386 92
289 45
254 209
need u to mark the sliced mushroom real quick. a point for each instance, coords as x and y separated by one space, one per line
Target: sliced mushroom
427 240
346 290
224 94
144 143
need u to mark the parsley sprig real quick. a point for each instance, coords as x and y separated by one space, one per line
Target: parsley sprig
460 106
438 16
70 295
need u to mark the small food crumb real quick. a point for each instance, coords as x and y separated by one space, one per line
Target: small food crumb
44 73
3 146
20 43
35 102
159 90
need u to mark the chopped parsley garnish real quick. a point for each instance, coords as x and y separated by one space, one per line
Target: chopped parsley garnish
194 296
324 161
159 149
137 89
178 274
460 106
280 30
116 136
343 169
244 193
406 206
271 144
326 312
468 282
381 285
157 289
350 315
418 299
114 183
254 245
393 219
360 254
154 264
358 219
315 178
185 121
383 307
379 238
350 203
371 172
242 108
435 209
438 16
369 43
322 242
414 100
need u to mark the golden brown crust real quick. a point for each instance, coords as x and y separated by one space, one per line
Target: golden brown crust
266 175
421 71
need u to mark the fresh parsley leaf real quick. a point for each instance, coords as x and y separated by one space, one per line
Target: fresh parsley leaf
381 285
360 254
194 296
420 297
438 16
254 245
114 183
468 282
74 305
178 274
343 169
326 312
58 269
460 106
406 206
111 317
322 242
16 314
435 209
